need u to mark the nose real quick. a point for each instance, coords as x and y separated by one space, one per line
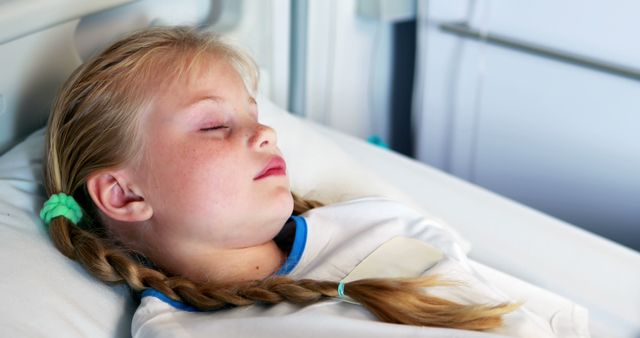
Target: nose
263 137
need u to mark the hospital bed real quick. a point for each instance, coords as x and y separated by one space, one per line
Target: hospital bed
45 294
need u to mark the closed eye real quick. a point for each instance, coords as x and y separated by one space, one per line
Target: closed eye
214 128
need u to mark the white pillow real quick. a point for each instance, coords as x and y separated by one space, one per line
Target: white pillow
44 293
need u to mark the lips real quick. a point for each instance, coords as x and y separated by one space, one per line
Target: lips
275 167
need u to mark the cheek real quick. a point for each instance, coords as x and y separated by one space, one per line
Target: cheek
207 189
195 182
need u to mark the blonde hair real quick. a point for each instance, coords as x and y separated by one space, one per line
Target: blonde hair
92 126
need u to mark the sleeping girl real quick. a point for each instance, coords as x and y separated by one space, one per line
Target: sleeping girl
160 176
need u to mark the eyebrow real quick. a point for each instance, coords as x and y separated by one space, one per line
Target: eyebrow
214 98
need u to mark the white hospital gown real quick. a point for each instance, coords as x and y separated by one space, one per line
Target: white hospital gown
329 243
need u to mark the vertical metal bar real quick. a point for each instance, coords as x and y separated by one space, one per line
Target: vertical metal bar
463 29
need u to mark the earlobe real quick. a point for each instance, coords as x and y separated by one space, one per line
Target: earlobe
112 193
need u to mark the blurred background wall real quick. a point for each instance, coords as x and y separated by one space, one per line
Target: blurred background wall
536 100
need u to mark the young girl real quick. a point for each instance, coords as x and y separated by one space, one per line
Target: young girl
160 176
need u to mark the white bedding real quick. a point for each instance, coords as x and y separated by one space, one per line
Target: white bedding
44 292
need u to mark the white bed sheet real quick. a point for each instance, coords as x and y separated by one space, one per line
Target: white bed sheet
45 292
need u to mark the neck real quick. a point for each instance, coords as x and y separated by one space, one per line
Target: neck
230 265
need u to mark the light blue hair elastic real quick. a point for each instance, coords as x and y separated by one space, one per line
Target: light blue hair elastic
63 205
341 290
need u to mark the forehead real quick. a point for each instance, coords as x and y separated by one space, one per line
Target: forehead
213 76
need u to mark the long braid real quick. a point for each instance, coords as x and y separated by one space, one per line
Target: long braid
402 301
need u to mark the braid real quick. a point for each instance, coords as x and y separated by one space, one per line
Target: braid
405 301
105 261
401 301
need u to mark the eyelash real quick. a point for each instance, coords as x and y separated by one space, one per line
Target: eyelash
214 128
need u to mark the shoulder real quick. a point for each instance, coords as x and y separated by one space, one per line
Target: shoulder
371 215
367 210
378 205
382 218
148 319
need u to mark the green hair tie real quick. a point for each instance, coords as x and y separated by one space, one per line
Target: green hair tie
63 205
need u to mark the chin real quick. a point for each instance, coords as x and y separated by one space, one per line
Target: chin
278 215
278 206
283 206
287 203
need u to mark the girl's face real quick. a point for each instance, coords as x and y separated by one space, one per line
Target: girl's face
204 152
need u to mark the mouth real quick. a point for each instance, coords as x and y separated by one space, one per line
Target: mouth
275 167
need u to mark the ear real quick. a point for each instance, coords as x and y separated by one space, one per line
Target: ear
116 196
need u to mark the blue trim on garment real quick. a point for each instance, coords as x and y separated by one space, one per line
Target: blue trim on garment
161 296
297 249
